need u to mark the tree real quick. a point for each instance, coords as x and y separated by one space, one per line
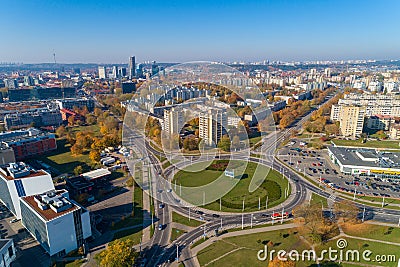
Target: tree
280 263
225 143
94 155
61 131
331 129
71 120
76 149
90 119
119 254
190 143
346 210
78 170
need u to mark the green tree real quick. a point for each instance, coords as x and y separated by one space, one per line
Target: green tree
78 170
119 254
225 143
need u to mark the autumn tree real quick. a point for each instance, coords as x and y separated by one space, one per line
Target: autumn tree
281 263
94 155
190 143
119 253
78 170
346 210
61 131
76 149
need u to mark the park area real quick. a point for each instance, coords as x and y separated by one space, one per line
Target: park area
271 187
382 241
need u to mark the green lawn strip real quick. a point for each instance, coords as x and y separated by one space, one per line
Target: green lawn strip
213 251
137 217
176 217
135 234
166 165
75 263
273 186
377 248
95 129
254 140
176 233
318 200
372 144
372 231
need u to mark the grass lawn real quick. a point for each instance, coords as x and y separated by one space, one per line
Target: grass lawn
137 217
254 140
198 242
62 159
134 234
75 263
375 143
248 246
377 232
176 217
317 199
272 185
95 129
361 245
175 233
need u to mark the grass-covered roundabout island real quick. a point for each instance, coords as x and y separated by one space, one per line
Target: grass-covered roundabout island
273 186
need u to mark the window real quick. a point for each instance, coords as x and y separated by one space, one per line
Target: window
10 252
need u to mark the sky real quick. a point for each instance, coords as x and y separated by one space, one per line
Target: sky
109 31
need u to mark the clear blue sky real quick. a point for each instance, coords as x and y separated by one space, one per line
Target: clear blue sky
107 31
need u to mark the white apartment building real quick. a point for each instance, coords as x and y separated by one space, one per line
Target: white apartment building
173 121
351 119
211 125
7 252
55 221
19 180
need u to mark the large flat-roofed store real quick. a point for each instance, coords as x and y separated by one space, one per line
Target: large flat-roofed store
362 161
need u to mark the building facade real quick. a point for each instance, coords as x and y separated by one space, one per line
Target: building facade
173 121
56 222
212 125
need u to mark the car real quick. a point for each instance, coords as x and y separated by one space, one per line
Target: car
169 190
215 215
160 227
161 205
14 220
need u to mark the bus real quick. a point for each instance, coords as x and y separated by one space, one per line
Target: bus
277 215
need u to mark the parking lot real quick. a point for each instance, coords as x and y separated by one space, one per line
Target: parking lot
317 165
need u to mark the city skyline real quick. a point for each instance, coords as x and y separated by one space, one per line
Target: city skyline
108 32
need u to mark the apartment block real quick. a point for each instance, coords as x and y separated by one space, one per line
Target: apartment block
351 120
211 125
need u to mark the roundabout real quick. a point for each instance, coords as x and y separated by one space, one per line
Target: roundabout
273 190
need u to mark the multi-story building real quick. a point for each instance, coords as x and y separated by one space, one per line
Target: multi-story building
128 87
380 122
173 121
6 154
11 83
56 222
40 93
212 125
131 67
76 102
102 72
28 143
19 180
351 120
394 131
7 252
38 118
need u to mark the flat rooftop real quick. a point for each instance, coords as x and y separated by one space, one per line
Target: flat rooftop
24 172
96 174
49 213
366 157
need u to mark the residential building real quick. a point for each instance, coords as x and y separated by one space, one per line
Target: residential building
18 180
351 120
76 102
394 131
380 122
11 83
40 93
128 87
59 224
37 118
212 125
66 114
7 252
28 143
131 67
173 121
102 72
6 154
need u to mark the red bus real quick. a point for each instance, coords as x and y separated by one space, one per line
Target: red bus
277 215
